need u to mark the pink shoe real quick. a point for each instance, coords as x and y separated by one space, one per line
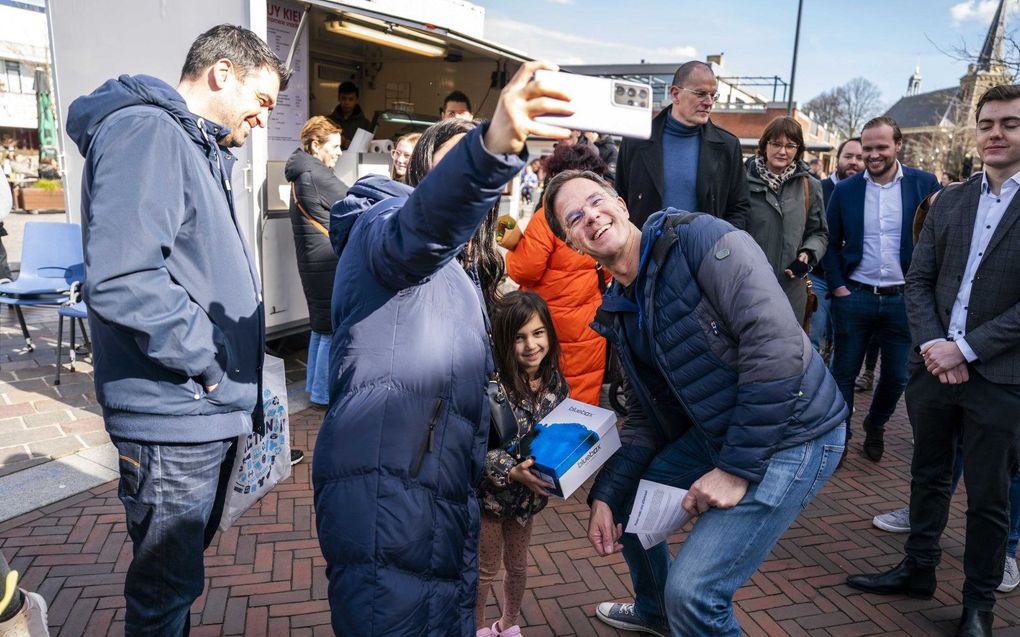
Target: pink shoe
513 631
484 632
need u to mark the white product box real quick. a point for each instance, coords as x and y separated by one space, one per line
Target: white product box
571 444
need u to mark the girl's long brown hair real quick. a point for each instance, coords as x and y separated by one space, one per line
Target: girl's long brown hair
510 314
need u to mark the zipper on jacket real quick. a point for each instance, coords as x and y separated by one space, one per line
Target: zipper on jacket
430 440
658 364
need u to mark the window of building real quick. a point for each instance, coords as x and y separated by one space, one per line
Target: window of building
13 73
16 77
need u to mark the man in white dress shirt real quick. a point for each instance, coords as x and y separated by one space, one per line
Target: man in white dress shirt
870 245
963 302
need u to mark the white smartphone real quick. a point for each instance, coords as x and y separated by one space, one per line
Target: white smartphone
601 104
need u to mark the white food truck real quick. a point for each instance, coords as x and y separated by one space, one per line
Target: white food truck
405 56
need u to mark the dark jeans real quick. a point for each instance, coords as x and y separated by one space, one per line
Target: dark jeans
173 496
856 318
871 356
983 415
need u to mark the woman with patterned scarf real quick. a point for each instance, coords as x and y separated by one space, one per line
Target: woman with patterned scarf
787 211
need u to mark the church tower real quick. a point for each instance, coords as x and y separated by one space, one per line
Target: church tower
914 83
988 70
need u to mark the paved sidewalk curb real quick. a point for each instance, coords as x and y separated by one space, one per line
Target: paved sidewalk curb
50 482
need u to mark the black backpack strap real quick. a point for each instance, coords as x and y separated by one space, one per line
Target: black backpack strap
667 234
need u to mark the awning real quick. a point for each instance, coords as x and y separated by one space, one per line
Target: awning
454 40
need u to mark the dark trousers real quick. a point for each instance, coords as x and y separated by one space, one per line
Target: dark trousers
984 415
856 318
173 496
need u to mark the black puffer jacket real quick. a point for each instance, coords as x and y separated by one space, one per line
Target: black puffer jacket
317 190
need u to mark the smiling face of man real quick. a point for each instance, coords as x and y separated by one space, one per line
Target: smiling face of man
246 103
594 221
998 136
880 149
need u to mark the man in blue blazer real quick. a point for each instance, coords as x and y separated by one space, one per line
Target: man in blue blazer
870 245
849 162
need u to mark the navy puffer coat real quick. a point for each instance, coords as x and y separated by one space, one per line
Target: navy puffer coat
402 445
728 348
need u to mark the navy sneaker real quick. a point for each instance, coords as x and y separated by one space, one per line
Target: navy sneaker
623 616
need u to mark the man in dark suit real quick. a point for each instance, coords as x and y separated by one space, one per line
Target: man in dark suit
688 163
963 301
870 244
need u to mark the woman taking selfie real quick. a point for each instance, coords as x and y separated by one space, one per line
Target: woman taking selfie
401 448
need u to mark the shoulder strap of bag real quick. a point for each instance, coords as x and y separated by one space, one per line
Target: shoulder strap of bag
318 226
807 201
668 233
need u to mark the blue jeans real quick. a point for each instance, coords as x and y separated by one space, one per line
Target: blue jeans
855 318
821 324
695 593
317 379
173 496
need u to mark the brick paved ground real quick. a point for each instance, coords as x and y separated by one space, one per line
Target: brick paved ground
265 576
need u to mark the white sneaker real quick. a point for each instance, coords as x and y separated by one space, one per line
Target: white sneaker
1010 576
897 521
30 620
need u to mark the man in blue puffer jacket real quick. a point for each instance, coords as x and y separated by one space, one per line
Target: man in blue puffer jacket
728 399
401 448
175 306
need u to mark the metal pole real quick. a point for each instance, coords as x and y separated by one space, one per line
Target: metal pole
793 71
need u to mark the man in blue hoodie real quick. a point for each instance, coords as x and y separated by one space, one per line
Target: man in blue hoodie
175 306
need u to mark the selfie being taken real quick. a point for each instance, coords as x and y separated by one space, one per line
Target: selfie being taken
466 319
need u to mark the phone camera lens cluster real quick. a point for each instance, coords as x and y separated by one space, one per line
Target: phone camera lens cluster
631 95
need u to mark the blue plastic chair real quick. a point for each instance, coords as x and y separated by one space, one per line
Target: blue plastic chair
75 310
51 262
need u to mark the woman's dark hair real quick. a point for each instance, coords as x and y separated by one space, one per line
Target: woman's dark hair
481 253
510 314
574 157
429 142
783 127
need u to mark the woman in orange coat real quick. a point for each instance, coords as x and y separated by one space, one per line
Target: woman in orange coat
566 280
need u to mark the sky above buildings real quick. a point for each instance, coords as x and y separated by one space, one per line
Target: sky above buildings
881 40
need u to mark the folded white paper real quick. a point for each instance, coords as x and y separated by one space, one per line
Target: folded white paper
657 513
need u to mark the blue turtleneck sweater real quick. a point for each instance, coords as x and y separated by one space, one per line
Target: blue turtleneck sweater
680 147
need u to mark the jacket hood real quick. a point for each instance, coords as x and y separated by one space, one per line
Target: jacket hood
301 162
87 113
365 193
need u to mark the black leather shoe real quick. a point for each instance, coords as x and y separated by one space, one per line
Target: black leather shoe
874 441
905 579
975 623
